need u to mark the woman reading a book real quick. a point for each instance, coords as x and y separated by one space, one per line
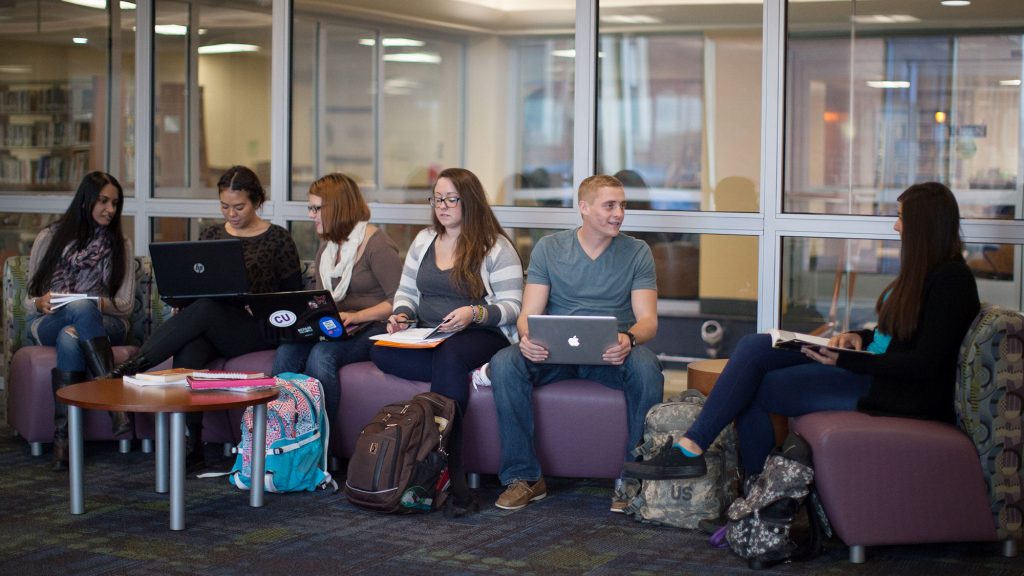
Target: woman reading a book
359 264
208 328
923 316
464 276
81 291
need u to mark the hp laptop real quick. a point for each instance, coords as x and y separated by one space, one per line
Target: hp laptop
187 271
574 339
304 316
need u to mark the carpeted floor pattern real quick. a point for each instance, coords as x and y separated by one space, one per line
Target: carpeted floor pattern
125 531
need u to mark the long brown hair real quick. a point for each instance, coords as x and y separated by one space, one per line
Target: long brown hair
343 207
480 230
931 236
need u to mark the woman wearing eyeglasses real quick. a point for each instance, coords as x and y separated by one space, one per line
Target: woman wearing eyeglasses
358 262
464 275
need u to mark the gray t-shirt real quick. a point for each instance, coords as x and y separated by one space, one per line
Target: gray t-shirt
580 286
438 295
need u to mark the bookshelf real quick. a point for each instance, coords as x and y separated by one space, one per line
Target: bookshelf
48 134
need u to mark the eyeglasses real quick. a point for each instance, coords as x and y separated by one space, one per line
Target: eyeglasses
450 201
313 209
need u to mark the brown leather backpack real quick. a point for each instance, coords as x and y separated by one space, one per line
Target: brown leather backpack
400 462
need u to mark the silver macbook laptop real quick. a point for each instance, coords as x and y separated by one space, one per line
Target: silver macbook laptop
187 271
574 339
303 316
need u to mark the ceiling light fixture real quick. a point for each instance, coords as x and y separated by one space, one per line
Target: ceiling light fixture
889 84
101 4
393 42
1009 82
954 3
80 40
414 58
885 19
630 19
228 48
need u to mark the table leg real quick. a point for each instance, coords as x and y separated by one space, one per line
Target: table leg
75 459
259 454
161 452
177 458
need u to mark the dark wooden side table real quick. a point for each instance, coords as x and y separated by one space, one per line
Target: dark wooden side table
112 394
703 374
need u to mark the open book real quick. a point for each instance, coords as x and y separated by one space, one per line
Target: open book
795 341
412 338
57 299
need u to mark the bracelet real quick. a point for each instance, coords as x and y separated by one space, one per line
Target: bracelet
478 314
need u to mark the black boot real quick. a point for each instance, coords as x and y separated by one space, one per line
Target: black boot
133 365
99 357
60 379
195 454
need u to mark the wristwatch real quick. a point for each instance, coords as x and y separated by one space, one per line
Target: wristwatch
632 338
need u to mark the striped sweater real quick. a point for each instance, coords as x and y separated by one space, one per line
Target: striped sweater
501 272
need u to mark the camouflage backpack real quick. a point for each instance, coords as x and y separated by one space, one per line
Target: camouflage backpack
683 503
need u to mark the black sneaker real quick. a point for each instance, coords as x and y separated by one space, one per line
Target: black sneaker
667 464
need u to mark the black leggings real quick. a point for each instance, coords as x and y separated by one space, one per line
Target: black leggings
202 331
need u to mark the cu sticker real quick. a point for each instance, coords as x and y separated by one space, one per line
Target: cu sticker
283 318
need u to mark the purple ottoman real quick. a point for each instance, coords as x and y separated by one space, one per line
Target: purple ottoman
580 425
887 480
30 397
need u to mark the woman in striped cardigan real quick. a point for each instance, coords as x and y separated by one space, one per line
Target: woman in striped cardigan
461 274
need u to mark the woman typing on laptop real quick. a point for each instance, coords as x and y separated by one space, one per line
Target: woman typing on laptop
210 328
359 264
464 276
82 280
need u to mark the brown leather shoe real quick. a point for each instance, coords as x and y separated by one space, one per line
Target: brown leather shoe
520 493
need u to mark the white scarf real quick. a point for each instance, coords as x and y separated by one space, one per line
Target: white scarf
343 268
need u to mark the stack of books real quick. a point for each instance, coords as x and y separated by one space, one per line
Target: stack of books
203 379
229 381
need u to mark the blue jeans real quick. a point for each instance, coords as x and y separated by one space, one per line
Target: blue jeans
321 360
760 380
446 366
88 322
514 378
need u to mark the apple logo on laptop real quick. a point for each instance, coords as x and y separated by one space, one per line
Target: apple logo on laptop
574 342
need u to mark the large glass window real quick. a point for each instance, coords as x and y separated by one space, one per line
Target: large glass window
484 86
883 95
53 94
212 98
679 95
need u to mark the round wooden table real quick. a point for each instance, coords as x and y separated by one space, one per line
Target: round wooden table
112 394
703 374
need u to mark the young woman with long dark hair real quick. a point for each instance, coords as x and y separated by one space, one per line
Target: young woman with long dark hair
207 328
83 252
923 316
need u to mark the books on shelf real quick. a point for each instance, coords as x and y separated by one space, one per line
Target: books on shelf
58 300
202 381
795 341
412 338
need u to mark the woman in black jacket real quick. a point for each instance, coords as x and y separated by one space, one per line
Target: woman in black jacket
923 316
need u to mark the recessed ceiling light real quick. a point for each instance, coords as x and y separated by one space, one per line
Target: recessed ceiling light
1009 82
80 40
885 19
393 42
414 57
101 4
15 69
889 84
228 48
630 19
956 2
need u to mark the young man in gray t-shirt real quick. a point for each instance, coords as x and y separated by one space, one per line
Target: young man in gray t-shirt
592 270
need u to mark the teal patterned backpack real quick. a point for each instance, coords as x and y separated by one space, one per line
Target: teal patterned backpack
989 402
